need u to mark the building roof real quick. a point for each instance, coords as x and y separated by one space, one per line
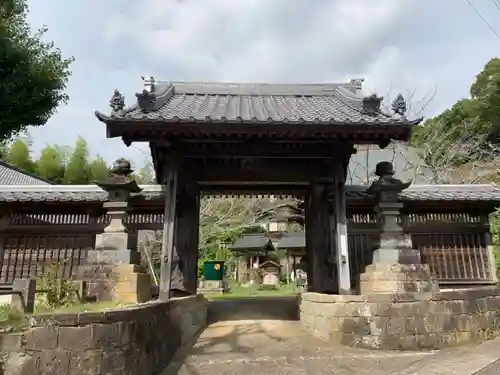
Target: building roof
292 240
205 102
11 175
253 242
90 193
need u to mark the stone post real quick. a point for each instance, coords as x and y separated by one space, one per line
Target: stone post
396 266
112 269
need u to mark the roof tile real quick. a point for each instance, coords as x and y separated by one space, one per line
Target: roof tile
226 102
10 175
89 193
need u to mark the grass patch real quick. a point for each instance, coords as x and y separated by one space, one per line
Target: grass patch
237 291
10 321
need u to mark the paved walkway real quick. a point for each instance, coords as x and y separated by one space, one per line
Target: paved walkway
262 336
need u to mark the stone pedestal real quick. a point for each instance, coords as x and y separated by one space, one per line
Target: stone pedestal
213 286
114 275
397 278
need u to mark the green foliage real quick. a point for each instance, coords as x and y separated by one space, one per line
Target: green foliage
33 73
19 155
99 169
55 160
146 175
495 231
78 169
50 165
57 290
478 115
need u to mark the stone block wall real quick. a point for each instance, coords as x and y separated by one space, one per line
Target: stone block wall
409 321
134 340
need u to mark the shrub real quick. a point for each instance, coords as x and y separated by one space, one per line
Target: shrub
57 291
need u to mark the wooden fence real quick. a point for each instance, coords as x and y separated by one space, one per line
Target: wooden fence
454 244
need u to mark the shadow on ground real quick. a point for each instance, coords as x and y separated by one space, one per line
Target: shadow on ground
262 335
254 308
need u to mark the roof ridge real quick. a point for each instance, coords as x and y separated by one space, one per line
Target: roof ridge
256 89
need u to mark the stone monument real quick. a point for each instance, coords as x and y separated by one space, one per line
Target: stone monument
112 270
396 266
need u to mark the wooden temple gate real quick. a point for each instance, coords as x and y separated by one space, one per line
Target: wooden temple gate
453 236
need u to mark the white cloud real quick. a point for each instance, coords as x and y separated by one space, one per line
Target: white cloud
397 45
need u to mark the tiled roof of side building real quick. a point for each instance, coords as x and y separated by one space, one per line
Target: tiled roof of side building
253 242
333 103
10 175
68 193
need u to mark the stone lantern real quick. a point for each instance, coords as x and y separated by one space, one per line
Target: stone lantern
119 187
394 246
396 266
112 270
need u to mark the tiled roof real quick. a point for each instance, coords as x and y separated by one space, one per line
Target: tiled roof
292 241
10 175
25 193
252 242
231 102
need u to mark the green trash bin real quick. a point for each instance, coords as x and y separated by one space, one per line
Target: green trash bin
213 270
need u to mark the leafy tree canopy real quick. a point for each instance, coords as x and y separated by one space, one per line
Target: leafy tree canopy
479 114
33 73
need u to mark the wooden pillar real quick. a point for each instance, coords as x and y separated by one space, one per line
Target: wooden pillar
318 240
186 237
168 252
180 234
340 232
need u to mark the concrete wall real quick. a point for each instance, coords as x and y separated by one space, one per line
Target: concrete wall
403 322
136 340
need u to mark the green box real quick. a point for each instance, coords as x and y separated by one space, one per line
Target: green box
213 270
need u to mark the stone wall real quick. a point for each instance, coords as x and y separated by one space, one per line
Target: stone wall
409 321
135 340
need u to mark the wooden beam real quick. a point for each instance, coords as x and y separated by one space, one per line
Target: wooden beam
256 148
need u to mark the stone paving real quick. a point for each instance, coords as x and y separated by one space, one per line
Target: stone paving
262 336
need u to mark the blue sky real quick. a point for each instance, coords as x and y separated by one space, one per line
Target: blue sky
426 49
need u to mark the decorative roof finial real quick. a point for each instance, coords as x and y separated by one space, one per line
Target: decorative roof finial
399 106
371 104
146 101
149 83
117 101
357 81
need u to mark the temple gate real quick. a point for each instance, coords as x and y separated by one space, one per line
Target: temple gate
255 138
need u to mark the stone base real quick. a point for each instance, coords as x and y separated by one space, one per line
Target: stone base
411 321
130 284
397 278
213 286
111 275
109 257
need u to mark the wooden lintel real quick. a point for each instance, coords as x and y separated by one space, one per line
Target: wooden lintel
259 148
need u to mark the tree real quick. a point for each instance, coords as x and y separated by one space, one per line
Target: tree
78 169
98 169
479 113
448 158
146 175
33 73
50 165
222 221
19 155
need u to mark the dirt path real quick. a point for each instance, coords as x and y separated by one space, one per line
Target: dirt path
261 336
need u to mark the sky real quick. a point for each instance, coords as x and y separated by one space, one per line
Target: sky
428 50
